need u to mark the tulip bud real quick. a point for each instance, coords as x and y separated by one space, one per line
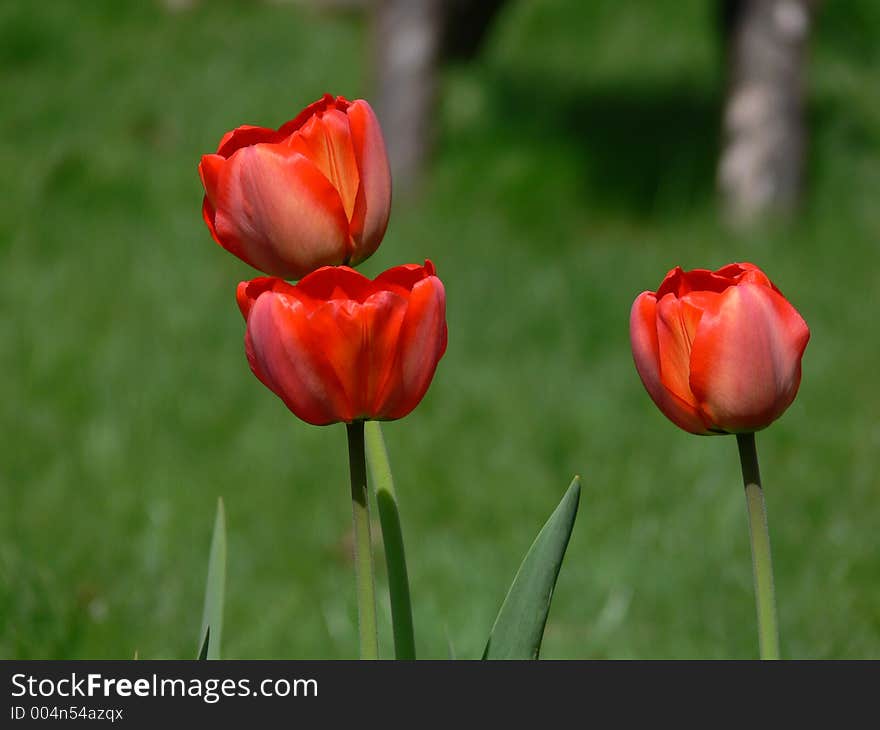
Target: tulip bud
718 352
339 347
315 192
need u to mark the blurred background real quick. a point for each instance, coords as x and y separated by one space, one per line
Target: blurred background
553 158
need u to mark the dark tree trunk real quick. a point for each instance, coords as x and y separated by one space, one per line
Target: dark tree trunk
762 159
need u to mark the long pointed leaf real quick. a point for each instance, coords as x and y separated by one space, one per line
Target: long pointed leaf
392 538
203 652
212 615
519 627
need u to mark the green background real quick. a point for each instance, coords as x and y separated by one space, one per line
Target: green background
574 166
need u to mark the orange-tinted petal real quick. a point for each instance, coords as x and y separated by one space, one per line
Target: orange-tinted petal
646 354
326 140
677 321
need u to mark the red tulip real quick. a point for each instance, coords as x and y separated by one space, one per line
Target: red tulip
718 351
339 347
315 192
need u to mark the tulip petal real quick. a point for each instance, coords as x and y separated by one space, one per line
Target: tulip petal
403 278
245 136
208 214
746 357
328 101
286 355
359 343
211 171
338 330
679 282
373 204
646 354
336 282
422 342
247 292
325 139
677 321
383 315
277 211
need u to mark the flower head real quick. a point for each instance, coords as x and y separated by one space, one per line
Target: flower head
340 347
315 192
718 351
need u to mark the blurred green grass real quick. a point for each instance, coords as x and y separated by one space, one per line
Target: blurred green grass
574 168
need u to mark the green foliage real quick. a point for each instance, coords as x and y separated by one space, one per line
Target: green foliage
211 635
573 168
519 627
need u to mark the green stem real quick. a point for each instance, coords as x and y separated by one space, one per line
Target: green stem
768 633
363 554
392 536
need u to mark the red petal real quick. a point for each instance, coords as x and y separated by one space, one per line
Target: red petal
278 212
360 341
336 282
325 102
338 330
679 282
646 354
245 136
208 214
286 355
211 172
746 359
403 278
422 343
247 292
373 204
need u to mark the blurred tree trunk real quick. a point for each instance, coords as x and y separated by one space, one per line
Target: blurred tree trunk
762 159
411 39
407 42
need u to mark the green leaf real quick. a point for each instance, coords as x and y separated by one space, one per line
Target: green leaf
519 627
392 539
203 652
212 616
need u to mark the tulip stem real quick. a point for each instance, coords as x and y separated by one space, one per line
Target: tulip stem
768 633
363 553
392 537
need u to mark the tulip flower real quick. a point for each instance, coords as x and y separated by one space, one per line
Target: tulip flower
718 352
315 192
337 347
